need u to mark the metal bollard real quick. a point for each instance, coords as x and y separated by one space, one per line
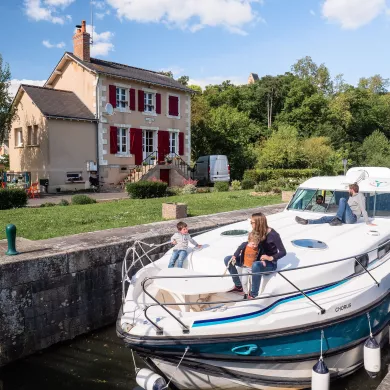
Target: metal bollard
10 232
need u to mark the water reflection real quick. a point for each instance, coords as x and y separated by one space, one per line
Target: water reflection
100 361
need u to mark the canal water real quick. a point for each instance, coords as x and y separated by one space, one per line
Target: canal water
100 361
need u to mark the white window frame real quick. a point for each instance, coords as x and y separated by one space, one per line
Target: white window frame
19 137
126 101
127 145
153 101
172 116
174 136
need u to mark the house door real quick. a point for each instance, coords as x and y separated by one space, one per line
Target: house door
148 143
164 175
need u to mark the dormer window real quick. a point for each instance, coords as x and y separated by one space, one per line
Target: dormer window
149 102
121 97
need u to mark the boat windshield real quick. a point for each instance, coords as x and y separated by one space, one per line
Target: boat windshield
327 201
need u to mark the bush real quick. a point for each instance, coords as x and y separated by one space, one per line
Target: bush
12 198
221 186
47 204
189 189
190 181
236 185
147 189
261 175
203 190
63 202
82 199
173 191
247 184
263 187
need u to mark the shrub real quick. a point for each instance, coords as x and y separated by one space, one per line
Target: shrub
12 198
260 175
63 202
263 187
189 189
221 186
173 191
155 180
82 199
48 204
146 189
247 184
203 190
236 185
190 181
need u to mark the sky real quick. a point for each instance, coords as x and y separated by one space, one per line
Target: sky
208 40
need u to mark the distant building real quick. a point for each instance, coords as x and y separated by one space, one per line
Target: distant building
4 148
253 77
64 129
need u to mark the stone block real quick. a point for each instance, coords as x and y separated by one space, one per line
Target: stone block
174 210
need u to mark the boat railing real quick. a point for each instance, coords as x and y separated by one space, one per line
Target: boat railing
304 292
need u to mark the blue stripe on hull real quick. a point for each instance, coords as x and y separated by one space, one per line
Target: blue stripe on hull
305 343
258 313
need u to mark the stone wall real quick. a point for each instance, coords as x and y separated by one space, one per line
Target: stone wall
60 288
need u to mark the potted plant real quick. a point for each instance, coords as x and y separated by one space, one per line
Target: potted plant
168 159
153 160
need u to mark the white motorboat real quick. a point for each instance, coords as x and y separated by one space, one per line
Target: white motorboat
327 296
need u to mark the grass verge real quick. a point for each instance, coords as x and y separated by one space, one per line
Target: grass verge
41 223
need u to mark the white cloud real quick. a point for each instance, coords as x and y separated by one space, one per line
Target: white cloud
102 44
176 70
352 14
194 15
15 83
59 3
99 4
49 45
312 13
101 15
217 80
36 11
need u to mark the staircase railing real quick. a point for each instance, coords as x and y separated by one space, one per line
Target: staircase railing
143 168
178 162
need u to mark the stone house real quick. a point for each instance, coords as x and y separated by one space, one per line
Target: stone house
96 115
253 77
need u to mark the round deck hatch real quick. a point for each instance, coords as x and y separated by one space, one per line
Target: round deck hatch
309 244
236 232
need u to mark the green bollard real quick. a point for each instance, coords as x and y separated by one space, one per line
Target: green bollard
10 231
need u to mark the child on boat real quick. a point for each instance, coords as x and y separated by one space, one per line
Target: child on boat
244 257
180 240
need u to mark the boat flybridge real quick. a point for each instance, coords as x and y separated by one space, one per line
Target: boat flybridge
320 316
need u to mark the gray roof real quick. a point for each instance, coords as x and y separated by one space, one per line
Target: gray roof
255 76
129 72
56 103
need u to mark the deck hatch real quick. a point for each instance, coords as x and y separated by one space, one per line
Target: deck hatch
309 243
236 232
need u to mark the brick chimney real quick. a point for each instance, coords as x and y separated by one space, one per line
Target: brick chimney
82 43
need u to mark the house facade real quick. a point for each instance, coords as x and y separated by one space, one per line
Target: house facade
137 114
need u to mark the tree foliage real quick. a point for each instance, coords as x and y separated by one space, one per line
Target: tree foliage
7 111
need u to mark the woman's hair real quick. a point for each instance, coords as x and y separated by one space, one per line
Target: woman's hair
260 225
254 237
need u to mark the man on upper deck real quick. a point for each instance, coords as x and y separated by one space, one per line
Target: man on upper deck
348 212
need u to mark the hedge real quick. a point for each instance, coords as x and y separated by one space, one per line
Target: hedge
261 175
147 189
221 186
82 199
12 198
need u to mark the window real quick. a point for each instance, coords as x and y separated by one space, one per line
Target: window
73 176
173 142
121 97
18 137
123 140
35 135
148 102
29 135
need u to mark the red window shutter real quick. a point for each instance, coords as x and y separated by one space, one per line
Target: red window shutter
113 140
163 144
136 145
141 101
181 144
158 103
132 99
173 106
112 95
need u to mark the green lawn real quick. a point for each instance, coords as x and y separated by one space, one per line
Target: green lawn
41 223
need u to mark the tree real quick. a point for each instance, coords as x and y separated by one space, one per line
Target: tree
376 150
7 110
167 73
281 150
183 80
375 84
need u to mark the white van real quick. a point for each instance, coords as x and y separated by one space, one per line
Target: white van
210 169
